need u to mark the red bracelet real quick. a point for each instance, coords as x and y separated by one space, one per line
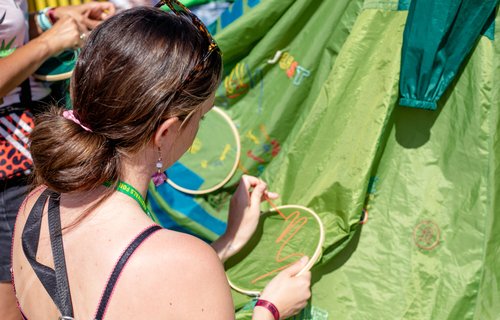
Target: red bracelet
51 15
269 306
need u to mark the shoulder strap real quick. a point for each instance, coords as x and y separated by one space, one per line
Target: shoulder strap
64 304
54 281
30 239
103 304
26 93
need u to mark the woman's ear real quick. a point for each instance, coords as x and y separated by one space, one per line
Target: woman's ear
166 130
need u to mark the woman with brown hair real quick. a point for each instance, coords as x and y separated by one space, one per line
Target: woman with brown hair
26 42
143 81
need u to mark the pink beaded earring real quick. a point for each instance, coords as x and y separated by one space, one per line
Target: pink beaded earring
159 177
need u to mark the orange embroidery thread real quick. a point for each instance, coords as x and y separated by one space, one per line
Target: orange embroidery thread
295 223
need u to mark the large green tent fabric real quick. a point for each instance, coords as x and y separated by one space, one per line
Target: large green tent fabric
429 180
438 36
430 248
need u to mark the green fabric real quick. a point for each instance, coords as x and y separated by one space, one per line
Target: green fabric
180 218
280 240
438 175
191 3
438 36
211 157
288 109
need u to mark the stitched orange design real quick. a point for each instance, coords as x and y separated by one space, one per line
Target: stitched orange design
295 223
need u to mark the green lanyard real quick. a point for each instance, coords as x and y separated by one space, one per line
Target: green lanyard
132 192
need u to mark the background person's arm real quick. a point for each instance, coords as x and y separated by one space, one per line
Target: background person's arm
71 22
25 60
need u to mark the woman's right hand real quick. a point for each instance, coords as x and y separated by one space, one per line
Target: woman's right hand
288 291
66 33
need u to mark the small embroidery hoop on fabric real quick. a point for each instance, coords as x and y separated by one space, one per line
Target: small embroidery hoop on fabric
236 136
312 259
67 57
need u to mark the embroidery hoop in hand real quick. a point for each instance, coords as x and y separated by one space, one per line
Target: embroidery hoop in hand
250 270
58 67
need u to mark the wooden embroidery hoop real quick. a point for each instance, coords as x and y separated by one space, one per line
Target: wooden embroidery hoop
312 260
58 76
236 135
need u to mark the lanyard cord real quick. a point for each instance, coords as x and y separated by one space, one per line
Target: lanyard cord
132 192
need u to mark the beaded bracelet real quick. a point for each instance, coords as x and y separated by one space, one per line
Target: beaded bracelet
43 20
269 306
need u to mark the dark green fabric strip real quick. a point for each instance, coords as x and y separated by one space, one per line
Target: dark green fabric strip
428 105
438 35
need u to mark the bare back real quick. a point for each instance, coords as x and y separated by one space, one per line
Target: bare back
171 275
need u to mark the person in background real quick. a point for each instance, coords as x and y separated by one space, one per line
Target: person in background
26 41
142 83
127 4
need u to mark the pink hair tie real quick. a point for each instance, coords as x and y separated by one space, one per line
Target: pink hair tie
68 114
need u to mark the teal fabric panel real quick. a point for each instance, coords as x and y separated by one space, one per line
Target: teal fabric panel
404 4
438 36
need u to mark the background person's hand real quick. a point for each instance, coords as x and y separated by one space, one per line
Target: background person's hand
288 291
64 34
89 14
73 24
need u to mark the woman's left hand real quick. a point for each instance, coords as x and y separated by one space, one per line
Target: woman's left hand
89 14
244 214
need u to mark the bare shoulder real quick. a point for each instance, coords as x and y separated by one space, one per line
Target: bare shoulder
180 249
188 254
30 200
186 276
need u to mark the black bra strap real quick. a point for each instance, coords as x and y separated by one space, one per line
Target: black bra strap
30 239
119 267
63 293
54 281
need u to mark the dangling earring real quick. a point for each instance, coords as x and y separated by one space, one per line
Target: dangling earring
159 177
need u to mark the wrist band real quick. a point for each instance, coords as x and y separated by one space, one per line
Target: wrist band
43 20
51 15
269 306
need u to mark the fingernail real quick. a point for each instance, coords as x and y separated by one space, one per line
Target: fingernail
273 194
304 259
